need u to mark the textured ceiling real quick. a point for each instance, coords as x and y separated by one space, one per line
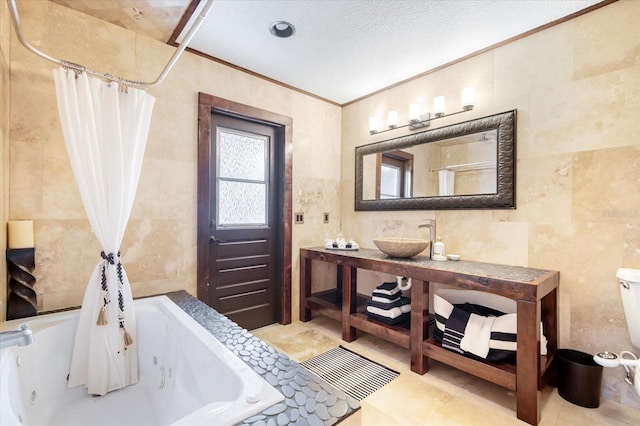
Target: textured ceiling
342 49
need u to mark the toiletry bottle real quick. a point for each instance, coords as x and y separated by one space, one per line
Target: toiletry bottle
438 248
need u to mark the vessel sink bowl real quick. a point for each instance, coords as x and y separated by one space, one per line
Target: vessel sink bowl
401 247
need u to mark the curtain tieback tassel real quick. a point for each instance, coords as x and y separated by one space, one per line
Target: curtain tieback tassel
125 334
102 314
102 317
127 338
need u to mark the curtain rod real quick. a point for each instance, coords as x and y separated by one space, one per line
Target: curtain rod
131 83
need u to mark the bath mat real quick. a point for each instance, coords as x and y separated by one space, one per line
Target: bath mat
353 374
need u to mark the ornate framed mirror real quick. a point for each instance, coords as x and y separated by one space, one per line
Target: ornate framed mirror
469 165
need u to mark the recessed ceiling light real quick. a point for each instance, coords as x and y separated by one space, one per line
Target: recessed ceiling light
282 29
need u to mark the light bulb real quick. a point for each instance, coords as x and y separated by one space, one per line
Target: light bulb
414 113
438 106
392 119
468 98
373 125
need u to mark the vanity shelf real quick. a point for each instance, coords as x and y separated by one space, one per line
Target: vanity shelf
534 290
501 374
398 334
329 303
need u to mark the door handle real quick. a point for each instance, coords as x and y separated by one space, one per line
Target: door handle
216 240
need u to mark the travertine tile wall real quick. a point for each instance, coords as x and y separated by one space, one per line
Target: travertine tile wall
159 248
576 87
5 49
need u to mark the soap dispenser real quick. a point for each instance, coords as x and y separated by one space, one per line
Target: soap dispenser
438 249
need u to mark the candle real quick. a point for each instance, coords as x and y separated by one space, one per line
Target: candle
20 233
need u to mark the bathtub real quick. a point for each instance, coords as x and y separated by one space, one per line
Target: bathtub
187 377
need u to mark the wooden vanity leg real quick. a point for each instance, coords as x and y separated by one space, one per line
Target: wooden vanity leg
549 312
349 285
528 362
305 288
419 329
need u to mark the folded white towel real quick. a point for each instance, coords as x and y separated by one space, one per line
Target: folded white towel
380 291
385 300
477 335
387 313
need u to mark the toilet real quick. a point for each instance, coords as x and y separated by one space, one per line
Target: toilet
629 280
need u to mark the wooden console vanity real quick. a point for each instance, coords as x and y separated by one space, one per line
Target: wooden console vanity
534 290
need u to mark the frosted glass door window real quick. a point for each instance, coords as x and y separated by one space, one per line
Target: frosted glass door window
242 185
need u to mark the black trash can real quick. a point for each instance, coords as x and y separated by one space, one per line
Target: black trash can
578 377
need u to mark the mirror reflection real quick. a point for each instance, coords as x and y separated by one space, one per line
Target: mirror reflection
468 165
462 165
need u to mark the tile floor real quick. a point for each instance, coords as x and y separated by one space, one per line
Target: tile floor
443 396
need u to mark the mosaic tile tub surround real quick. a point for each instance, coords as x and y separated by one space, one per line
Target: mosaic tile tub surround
309 400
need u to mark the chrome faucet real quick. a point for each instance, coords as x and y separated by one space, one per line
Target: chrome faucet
431 224
21 337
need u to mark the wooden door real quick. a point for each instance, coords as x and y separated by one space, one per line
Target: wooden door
244 261
243 230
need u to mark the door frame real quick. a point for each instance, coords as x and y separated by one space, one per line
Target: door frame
207 105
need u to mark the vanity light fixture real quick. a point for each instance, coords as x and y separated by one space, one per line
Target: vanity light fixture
419 119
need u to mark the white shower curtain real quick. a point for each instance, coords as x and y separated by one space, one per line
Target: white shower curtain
105 131
446 182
